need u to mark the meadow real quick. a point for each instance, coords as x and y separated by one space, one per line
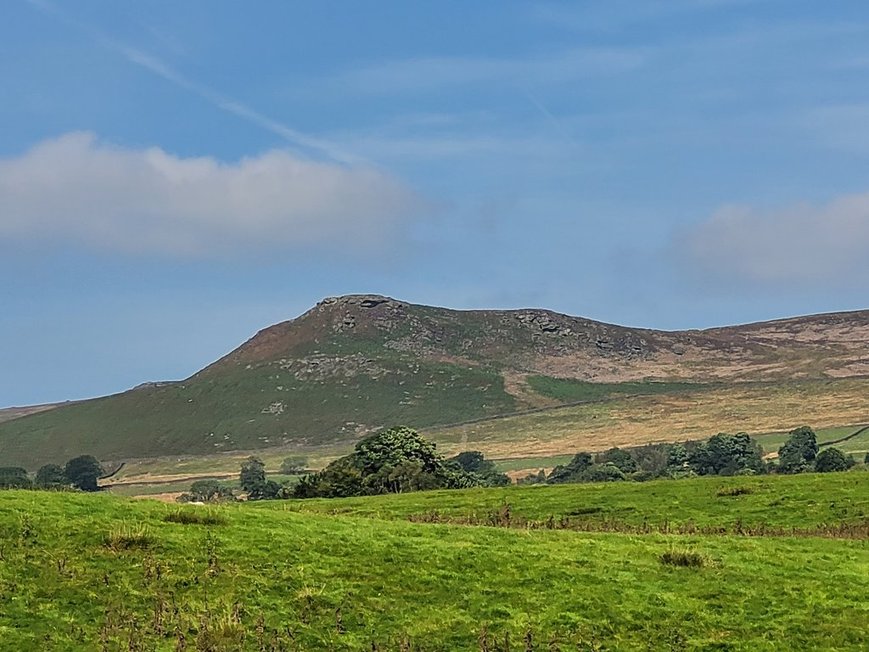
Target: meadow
101 572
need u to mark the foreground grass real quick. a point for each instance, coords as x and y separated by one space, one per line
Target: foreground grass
98 572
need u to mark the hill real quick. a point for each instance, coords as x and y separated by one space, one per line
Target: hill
591 570
353 364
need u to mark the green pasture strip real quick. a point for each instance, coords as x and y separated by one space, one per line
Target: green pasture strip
568 390
771 442
804 501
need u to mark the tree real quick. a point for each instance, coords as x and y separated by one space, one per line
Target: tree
533 478
393 460
799 451
726 454
474 462
618 457
608 472
393 446
652 459
832 459
253 474
571 471
207 491
14 477
677 458
82 472
339 479
51 476
294 465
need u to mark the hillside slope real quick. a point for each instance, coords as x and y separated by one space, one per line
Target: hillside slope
353 364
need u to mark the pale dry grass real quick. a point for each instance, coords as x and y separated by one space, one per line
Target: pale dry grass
662 418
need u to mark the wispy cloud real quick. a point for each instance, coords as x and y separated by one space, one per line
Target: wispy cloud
74 189
163 70
431 73
841 126
798 244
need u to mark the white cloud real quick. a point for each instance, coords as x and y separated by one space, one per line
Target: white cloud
77 189
825 244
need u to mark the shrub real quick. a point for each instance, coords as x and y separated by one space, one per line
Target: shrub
195 517
683 558
128 537
734 491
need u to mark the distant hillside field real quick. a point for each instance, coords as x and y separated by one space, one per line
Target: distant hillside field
513 383
91 572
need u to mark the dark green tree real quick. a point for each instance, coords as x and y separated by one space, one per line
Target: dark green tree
608 472
83 472
571 471
253 475
51 476
832 459
476 463
394 460
207 491
677 458
799 451
622 459
393 446
726 454
14 477
653 459
294 465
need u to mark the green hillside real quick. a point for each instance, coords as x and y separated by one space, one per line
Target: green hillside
91 572
253 408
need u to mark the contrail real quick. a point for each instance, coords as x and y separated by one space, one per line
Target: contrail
157 67
547 114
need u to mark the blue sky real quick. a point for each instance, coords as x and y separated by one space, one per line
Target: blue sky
175 176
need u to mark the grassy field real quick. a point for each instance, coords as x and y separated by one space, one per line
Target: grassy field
807 500
566 390
96 572
683 415
771 442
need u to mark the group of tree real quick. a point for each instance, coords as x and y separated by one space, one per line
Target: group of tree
398 460
395 460
80 472
721 454
252 483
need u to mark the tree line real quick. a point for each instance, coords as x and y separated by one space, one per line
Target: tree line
721 454
80 472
